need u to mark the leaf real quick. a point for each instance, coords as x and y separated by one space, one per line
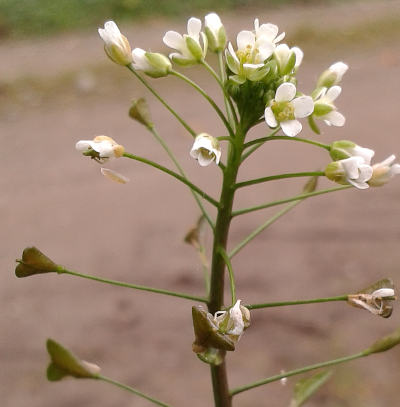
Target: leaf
34 262
305 388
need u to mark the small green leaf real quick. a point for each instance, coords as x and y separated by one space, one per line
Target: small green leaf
313 125
64 363
305 388
139 111
35 262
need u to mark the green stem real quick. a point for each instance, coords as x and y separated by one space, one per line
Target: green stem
299 302
175 175
257 144
163 102
271 137
134 286
261 228
207 97
180 169
280 176
132 390
231 275
294 198
230 109
222 225
305 369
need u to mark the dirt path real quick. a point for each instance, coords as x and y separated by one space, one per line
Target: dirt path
53 198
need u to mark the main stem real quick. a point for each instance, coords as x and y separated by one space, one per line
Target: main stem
222 397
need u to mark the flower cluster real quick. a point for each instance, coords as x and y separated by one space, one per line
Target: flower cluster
353 166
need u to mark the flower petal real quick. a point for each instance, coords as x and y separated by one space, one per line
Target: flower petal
299 56
114 176
173 40
334 118
291 127
83 145
303 106
194 27
270 118
333 93
286 92
245 38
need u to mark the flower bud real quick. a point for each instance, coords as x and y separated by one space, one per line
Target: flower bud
116 45
64 363
385 343
333 75
340 150
35 262
151 63
140 111
215 32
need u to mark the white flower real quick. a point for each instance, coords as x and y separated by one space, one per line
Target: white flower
340 150
232 322
384 171
325 109
248 62
188 45
114 176
352 170
206 149
215 32
268 32
115 44
288 58
285 109
101 148
153 64
333 75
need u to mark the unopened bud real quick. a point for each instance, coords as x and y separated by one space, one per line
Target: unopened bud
140 111
64 363
35 262
385 343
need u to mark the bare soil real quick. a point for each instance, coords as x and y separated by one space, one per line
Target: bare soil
57 200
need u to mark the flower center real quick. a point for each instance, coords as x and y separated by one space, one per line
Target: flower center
283 111
248 55
206 153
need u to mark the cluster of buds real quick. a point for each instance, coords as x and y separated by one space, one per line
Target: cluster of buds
352 165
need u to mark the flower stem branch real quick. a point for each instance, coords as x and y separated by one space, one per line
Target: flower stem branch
279 176
305 369
273 137
175 175
207 97
294 198
299 302
181 171
132 390
257 144
134 286
262 227
163 102
231 275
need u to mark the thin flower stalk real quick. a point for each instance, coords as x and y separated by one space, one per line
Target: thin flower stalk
181 171
132 390
290 373
294 198
279 176
163 102
175 175
133 286
231 274
261 228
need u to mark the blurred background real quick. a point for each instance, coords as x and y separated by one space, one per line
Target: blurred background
57 87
